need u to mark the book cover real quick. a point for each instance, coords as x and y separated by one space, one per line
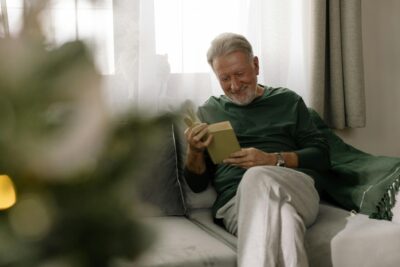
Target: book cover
224 138
224 141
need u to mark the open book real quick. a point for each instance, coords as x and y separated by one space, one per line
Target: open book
224 138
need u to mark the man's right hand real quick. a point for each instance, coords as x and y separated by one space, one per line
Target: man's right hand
198 138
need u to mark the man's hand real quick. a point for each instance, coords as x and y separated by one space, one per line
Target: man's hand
250 157
198 138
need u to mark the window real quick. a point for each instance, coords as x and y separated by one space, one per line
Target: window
66 20
184 28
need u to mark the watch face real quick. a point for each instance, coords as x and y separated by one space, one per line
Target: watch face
280 161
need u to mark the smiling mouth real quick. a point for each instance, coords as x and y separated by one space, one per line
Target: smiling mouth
240 91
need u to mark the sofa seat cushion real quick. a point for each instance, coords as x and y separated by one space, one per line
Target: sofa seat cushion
181 243
340 238
203 217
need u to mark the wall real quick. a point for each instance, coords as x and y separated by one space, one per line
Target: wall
381 48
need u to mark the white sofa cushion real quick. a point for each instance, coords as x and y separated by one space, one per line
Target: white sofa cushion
181 243
339 238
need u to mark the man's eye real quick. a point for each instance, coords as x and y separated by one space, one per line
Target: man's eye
224 79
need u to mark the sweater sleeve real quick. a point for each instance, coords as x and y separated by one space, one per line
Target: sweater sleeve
313 152
199 182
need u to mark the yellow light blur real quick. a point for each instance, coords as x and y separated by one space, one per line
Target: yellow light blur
7 192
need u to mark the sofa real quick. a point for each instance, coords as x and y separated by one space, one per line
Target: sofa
186 235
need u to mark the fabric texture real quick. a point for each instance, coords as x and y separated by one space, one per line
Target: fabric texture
337 76
269 214
276 121
359 181
338 238
342 239
148 65
181 243
161 187
204 218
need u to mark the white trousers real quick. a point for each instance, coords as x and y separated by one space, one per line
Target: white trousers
269 215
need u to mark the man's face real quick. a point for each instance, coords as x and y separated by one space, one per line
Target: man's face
237 75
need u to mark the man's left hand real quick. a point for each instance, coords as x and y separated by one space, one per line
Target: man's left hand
250 157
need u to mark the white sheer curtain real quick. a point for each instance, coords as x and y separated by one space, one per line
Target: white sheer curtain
280 33
68 20
152 52
161 47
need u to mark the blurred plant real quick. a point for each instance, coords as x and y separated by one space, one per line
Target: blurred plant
73 168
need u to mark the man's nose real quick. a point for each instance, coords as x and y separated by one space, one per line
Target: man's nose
234 84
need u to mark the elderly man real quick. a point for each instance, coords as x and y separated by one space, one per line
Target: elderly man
266 195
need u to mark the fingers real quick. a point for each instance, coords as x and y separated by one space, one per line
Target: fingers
246 158
208 140
193 131
197 137
238 158
239 154
199 134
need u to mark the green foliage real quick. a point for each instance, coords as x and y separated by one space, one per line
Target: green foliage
74 169
92 217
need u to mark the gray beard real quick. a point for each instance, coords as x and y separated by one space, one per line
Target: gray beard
245 104
240 103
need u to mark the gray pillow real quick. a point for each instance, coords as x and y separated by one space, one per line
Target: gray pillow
160 189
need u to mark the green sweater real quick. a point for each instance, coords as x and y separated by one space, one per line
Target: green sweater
277 121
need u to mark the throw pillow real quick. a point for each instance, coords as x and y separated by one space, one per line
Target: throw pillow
161 188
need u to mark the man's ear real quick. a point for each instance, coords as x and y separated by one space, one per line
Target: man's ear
256 66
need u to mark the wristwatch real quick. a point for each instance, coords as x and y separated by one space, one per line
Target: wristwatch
280 161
